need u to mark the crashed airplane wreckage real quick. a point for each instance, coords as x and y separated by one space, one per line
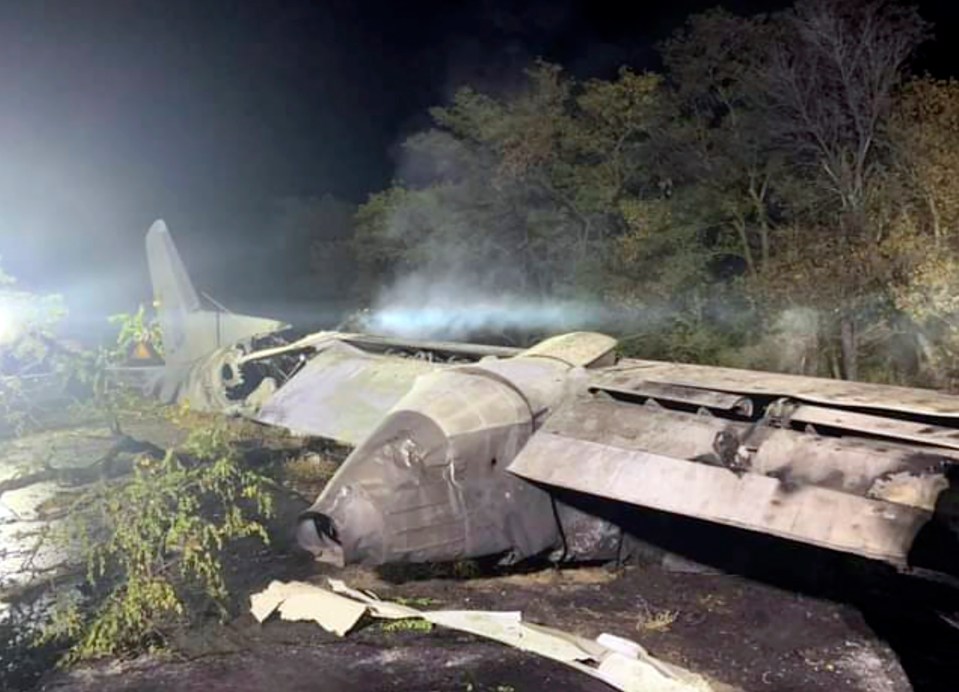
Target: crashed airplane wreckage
464 450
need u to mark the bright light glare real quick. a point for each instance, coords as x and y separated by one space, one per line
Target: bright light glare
9 325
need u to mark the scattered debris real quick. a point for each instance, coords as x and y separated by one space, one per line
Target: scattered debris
657 621
619 662
301 601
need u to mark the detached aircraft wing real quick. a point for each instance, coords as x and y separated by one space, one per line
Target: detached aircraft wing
848 466
630 373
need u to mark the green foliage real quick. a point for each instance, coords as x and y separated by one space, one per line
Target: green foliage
154 544
91 369
407 625
31 360
136 328
35 365
514 193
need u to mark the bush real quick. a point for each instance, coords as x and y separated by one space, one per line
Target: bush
136 328
32 362
153 547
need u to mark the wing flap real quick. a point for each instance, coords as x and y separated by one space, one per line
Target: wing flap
937 435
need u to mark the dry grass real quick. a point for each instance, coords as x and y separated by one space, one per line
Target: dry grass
655 619
713 603
310 468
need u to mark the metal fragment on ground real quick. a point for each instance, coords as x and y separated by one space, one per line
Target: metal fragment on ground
621 663
301 601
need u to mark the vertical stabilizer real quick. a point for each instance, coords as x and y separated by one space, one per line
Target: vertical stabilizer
172 287
189 331
173 293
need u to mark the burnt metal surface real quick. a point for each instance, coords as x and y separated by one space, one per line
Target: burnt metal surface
794 457
851 494
809 513
775 385
383 344
880 426
430 483
660 391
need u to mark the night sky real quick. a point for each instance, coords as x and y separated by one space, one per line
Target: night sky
206 112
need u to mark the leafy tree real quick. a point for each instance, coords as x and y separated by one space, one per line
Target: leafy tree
136 328
524 188
779 138
716 139
828 94
925 133
780 172
920 215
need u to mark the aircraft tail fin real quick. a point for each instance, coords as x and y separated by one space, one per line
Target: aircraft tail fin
189 331
172 288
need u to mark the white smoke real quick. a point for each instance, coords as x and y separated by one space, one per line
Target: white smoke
467 274
419 305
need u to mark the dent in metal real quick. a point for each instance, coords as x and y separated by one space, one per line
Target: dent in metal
430 483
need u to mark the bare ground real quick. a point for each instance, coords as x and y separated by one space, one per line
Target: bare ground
741 634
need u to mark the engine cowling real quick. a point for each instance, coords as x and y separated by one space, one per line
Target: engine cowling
430 483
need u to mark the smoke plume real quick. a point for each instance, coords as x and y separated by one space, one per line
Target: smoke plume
424 306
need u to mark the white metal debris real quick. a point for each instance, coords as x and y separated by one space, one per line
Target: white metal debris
620 663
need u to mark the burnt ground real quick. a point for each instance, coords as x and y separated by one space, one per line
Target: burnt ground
770 629
747 635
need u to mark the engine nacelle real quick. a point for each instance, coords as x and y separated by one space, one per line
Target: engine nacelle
430 483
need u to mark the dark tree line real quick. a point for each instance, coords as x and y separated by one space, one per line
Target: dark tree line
783 194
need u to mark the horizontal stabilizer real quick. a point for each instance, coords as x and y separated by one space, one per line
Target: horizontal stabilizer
189 332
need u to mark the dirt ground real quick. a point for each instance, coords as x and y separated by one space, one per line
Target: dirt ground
742 634
764 633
